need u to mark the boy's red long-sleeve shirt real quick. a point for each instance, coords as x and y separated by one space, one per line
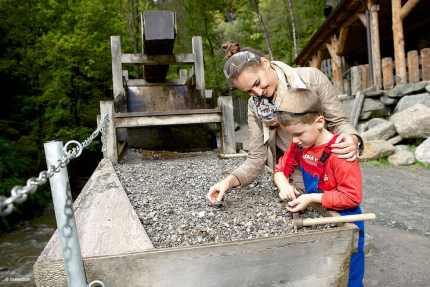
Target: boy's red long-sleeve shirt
341 183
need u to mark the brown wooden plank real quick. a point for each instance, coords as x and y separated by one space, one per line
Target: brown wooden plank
169 113
284 260
228 141
106 221
387 73
413 67
109 134
425 58
171 120
167 82
176 59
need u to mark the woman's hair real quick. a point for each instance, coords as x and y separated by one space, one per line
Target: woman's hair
301 101
235 65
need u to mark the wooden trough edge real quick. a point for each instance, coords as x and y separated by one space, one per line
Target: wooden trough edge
116 249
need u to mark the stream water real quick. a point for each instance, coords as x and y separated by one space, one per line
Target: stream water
20 248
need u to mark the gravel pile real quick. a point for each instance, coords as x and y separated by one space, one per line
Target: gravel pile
169 196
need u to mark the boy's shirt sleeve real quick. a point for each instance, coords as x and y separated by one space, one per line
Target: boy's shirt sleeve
348 189
281 163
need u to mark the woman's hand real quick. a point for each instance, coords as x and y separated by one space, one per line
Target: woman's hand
288 192
346 146
216 192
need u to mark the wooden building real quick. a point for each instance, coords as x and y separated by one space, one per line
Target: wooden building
372 43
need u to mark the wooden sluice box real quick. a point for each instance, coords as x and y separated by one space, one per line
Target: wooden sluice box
116 250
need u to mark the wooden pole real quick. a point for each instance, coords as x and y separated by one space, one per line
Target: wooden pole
355 80
387 73
342 39
364 72
109 133
413 67
337 65
228 140
407 8
399 43
118 88
335 219
376 47
425 58
199 71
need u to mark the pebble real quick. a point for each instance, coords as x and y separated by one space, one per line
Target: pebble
169 196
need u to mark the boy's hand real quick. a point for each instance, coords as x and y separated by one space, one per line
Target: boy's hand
288 192
299 204
346 146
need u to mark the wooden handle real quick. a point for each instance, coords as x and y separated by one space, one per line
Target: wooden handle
338 219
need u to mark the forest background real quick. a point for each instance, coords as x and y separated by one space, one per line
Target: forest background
55 68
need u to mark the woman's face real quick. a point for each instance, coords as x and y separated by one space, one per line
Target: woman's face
259 82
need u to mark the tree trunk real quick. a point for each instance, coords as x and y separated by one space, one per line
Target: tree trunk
293 25
266 37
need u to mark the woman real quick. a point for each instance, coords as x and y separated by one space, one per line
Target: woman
267 82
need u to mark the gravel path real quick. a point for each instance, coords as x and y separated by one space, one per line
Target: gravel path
169 196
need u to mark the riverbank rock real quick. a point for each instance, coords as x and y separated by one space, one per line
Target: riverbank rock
413 122
422 153
403 90
409 101
376 149
403 157
382 131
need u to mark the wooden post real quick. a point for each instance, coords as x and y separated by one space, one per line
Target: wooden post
109 133
399 43
362 18
364 72
342 39
355 80
199 71
316 60
118 88
337 65
228 140
425 58
376 47
387 73
407 8
413 67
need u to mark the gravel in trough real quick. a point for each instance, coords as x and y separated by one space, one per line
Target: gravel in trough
169 196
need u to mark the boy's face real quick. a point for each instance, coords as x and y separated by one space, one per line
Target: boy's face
305 135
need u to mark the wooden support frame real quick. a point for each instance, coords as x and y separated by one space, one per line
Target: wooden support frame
342 39
407 8
399 43
117 76
362 18
387 73
337 65
199 71
228 139
425 58
111 143
376 50
413 67
316 60
176 59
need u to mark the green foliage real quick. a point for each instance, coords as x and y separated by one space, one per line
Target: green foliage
55 66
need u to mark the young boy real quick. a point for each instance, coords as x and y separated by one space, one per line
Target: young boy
334 182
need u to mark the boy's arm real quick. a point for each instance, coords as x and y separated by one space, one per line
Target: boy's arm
349 187
286 190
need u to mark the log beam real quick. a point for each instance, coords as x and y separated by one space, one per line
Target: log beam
407 8
316 60
362 18
376 46
413 67
337 65
425 58
342 39
387 73
399 43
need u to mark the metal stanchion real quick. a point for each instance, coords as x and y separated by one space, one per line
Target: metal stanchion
63 206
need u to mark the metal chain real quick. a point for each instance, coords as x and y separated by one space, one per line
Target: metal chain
19 193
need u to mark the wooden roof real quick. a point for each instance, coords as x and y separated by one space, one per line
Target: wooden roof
356 41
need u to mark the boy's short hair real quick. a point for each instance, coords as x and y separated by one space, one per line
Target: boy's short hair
302 101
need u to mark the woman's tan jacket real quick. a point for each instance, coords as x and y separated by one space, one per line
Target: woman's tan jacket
335 117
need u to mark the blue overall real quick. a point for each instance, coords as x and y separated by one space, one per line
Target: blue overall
311 177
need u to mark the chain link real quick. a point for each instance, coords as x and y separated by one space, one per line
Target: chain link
19 193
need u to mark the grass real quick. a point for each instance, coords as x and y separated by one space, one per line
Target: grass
383 162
